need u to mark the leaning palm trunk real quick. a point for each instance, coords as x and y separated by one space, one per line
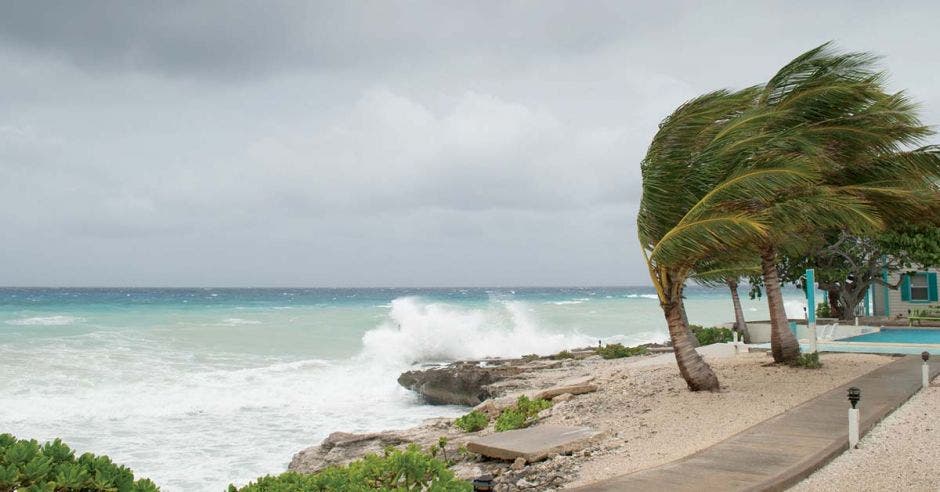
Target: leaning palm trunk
688 328
783 344
740 325
693 368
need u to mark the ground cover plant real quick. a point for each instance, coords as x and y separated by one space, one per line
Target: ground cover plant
617 351
52 466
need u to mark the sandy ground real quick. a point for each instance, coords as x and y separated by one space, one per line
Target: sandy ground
651 418
902 452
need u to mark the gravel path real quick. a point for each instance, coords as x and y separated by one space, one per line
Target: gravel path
902 452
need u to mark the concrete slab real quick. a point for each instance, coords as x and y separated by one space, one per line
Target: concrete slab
534 443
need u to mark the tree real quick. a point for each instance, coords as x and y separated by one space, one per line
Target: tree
830 111
673 184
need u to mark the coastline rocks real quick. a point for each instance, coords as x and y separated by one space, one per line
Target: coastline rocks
340 448
465 383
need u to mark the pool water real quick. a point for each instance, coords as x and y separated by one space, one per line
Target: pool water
898 336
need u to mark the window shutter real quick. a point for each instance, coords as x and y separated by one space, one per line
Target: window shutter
932 286
905 287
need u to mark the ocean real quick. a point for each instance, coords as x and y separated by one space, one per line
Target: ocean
199 388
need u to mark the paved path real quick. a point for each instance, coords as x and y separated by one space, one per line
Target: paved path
782 450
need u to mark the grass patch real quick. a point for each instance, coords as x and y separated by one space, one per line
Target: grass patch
618 351
473 421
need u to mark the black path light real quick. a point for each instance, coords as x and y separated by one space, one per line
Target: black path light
855 395
925 370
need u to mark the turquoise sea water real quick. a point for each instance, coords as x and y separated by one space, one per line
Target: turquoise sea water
197 388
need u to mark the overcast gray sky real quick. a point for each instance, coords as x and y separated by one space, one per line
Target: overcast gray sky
270 143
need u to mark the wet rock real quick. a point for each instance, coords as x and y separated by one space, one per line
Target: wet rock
458 384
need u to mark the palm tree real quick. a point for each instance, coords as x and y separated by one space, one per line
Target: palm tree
738 175
690 210
834 107
727 272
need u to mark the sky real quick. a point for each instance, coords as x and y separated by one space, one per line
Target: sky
352 144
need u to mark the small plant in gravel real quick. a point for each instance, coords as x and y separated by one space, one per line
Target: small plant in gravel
473 421
618 351
808 361
520 414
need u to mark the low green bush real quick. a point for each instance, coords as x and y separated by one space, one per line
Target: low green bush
822 310
617 351
519 415
714 334
808 361
510 419
397 470
564 354
27 465
473 421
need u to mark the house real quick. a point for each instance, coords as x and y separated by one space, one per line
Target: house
916 291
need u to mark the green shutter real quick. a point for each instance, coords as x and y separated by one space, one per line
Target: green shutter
932 286
905 288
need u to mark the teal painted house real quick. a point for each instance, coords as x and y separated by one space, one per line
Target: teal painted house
916 291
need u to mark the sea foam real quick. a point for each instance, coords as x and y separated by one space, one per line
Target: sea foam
420 331
47 321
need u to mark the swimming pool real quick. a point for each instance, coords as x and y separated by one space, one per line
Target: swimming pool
907 336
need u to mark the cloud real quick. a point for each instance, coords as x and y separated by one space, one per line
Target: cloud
428 143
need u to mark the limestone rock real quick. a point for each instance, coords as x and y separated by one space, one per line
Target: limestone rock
562 397
457 384
340 448
518 464
574 387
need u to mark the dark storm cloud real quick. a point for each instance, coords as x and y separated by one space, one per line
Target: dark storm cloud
371 143
250 38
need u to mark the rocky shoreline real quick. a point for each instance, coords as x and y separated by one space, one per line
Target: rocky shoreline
639 405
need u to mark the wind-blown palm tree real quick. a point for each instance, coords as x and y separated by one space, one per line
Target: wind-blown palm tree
834 107
691 208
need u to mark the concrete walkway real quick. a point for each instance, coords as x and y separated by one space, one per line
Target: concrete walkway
782 450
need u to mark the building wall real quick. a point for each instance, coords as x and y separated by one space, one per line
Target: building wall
896 306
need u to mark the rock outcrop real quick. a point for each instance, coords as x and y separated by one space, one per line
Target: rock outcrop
464 383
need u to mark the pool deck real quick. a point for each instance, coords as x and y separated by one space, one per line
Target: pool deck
781 451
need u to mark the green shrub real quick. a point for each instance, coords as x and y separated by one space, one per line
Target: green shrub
617 351
822 310
808 361
25 465
397 470
530 357
714 334
564 354
473 421
519 415
510 419
531 408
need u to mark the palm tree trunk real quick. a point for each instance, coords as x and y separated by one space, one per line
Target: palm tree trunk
688 327
783 344
740 325
693 368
